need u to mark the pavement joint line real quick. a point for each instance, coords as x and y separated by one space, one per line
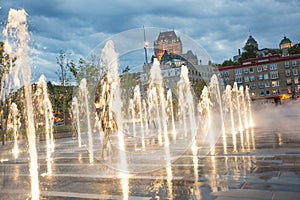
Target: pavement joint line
111 176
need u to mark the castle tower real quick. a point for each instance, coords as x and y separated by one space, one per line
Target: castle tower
167 41
284 45
251 41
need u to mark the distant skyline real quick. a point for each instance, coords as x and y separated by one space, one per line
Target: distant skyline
221 27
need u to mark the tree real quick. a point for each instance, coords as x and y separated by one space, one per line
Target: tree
198 87
128 83
294 49
62 94
228 63
88 70
250 51
6 63
65 65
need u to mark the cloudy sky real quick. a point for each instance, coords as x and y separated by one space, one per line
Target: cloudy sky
220 27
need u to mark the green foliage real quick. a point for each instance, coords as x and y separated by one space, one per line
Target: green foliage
198 87
65 65
61 97
87 70
228 63
6 63
294 49
274 52
250 51
68 127
128 83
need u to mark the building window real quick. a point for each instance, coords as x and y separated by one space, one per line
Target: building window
260 77
227 81
246 78
227 73
268 93
252 78
252 86
273 66
246 70
287 72
288 81
261 93
261 85
275 83
296 80
267 84
295 72
286 64
238 71
266 76
239 79
289 89
294 63
251 69
265 67
274 75
259 69
277 91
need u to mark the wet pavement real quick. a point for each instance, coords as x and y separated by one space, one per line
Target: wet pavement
261 163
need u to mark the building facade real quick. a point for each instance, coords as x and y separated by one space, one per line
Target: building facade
167 41
271 77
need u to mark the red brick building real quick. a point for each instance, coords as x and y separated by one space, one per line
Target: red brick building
271 77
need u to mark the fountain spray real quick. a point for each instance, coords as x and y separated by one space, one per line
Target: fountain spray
235 91
76 115
215 90
248 100
109 58
138 101
244 107
228 106
170 101
14 125
132 111
187 103
16 44
45 109
204 108
83 93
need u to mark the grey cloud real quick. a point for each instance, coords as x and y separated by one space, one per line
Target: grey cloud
220 26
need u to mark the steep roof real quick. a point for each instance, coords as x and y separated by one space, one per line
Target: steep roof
251 41
167 35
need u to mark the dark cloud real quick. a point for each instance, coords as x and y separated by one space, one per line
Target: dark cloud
221 27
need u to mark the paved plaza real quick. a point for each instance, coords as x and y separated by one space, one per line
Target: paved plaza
266 165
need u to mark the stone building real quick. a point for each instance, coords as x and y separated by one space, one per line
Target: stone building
271 77
168 41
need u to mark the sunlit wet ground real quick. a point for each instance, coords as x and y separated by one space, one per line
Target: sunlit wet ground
266 165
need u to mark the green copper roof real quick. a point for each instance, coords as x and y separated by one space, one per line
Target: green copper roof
285 40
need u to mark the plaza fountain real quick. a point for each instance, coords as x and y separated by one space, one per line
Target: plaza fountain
75 109
16 45
14 124
43 110
154 142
